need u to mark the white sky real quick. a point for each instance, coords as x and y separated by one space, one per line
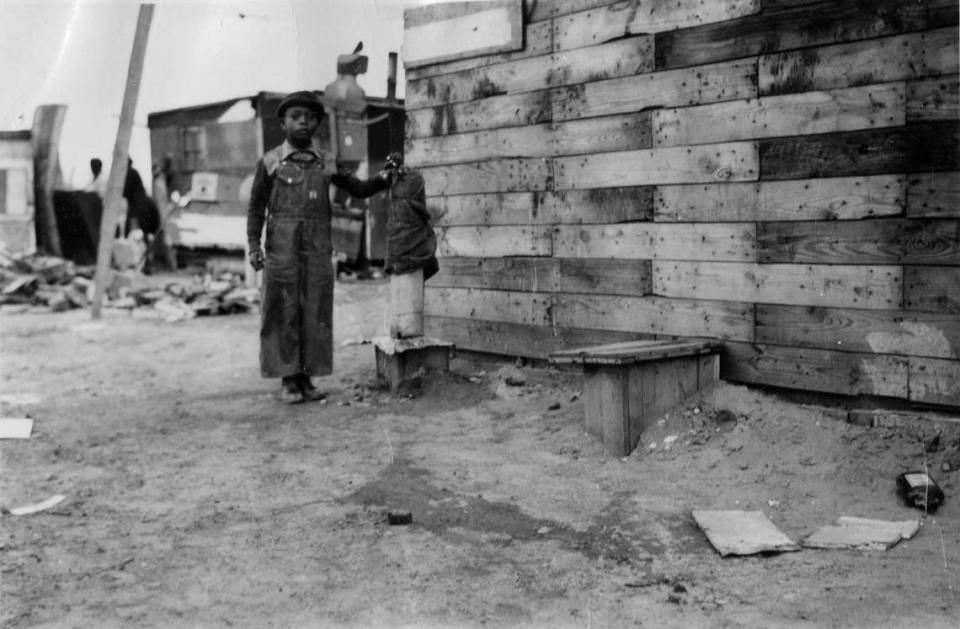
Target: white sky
77 53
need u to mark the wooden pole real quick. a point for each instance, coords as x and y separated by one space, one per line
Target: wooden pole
118 169
47 124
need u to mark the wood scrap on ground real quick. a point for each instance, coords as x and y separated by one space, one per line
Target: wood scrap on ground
54 284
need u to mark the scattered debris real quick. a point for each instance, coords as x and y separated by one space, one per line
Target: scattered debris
862 533
15 427
919 490
35 508
59 285
733 532
399 517
360 340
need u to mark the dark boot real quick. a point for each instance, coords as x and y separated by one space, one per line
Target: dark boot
290 392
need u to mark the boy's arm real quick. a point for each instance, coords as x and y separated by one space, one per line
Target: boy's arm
360 188
256 213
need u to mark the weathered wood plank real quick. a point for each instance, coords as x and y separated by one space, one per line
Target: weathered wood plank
731 161
675 88
547 9
868 241
850 109
621 58
611 133
655 315
902 57
798 25
546 275
512 339
839 286
493 241
932 289
836 198
512 110
605 276
499 208
454 30
538 275
933 99
934 335
663 241
915 148
488 305
934 381
506 175
537 41
846 373
601 205
596 205
621 19
935 195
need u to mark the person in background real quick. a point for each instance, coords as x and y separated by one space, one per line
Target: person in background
291 195
97 185
142 212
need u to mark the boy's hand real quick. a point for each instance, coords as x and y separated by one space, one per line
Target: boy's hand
257 259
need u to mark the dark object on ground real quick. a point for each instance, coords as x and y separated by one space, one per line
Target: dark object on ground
725 420
399 517
920 490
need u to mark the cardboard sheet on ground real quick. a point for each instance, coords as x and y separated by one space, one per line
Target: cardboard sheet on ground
742 532
15 427
862 533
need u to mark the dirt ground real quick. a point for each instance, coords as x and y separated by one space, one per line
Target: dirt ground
194 499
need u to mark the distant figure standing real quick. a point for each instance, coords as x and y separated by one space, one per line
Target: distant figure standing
97 185
142 212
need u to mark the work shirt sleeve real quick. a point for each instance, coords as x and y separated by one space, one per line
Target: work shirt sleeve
257 209
360 188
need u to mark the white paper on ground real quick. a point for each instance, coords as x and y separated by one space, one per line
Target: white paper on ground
40 506
862 533
734 532
15 427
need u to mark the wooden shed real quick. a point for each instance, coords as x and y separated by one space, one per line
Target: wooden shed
778 175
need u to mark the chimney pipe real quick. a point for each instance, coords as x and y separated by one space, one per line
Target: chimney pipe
392 76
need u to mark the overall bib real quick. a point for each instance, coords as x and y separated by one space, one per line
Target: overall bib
296 334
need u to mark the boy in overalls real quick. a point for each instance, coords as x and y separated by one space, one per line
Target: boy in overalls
291 194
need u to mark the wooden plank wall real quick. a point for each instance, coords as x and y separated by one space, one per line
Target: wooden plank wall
779 174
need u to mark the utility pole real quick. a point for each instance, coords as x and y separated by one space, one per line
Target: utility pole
121 148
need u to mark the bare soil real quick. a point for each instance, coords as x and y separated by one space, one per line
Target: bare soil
195 499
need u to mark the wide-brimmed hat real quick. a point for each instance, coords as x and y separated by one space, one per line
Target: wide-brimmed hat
303 99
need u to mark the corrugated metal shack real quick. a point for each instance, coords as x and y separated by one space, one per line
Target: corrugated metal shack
213 149
780 175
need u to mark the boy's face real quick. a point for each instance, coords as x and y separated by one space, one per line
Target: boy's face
300 123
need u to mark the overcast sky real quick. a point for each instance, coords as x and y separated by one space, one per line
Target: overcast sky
77 53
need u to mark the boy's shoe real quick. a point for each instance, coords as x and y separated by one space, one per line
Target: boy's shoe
309 392
289 392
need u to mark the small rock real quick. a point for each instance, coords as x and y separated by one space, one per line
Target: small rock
399 517
553 407
516 380
543 530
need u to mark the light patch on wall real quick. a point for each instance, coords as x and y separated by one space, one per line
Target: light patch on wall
915 339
